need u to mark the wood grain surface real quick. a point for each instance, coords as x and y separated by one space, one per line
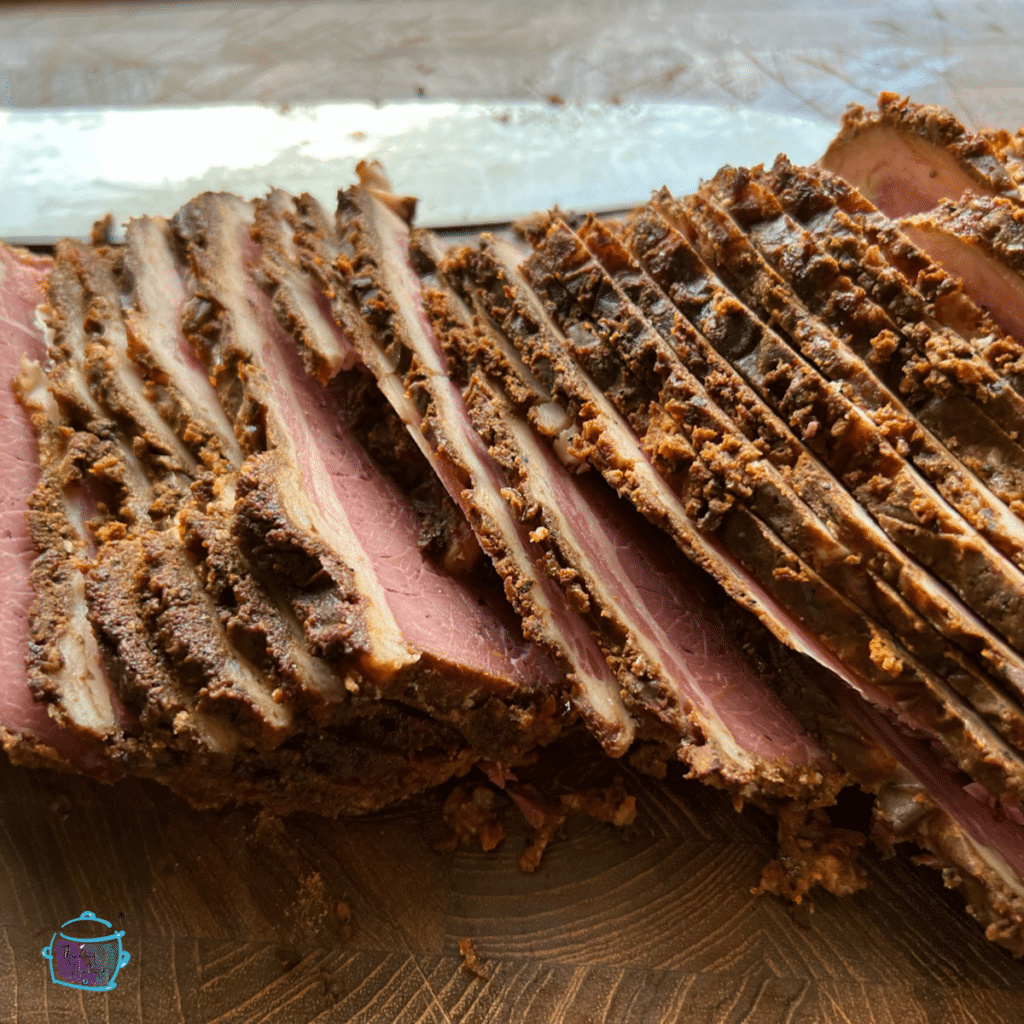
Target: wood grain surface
237 918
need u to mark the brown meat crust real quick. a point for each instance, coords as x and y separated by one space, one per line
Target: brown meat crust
842 625
897 577
875 254
879 477
1010 150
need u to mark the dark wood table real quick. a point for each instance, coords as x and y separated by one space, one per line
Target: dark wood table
236 918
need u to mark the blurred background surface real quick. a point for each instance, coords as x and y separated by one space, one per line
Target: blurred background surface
485 109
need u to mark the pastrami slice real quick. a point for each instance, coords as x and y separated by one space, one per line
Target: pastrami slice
652 616
766 552
981 241
901 589
907 158
390 295
152 276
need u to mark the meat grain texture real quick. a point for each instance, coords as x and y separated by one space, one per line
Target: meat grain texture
321 515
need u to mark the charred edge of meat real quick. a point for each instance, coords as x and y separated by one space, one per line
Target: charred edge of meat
205 325
135 663
1010 150
257 625
815 486
363 278
184 625
370 763
968 437
320 588
53 577
880 258
846 310
209 328
924 366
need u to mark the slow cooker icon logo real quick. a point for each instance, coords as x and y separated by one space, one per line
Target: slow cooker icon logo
85 961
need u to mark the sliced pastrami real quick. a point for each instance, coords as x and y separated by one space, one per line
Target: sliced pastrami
903 505
979 847
899 275
868 661
300 305
981 241
28 731
903 586
908 158
651 615
390 296
315 515
153 295
772 533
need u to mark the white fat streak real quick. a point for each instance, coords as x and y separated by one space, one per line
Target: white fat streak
160 294
85 692
647 636
601 693
389 652
219 735
244 678
132 386
323 338
997 863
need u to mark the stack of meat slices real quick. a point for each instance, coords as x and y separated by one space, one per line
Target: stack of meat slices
746 466
251 582
231 595
843 462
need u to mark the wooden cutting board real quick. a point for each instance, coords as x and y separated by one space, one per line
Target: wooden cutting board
236 918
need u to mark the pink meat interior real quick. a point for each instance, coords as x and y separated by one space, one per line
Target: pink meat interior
900 173
436 613
684 616
997 288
